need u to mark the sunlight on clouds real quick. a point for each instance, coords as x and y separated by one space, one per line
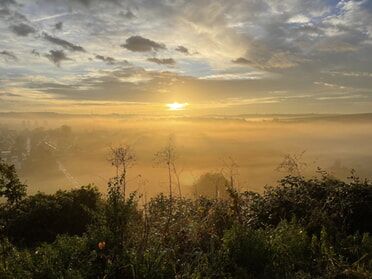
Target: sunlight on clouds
222 55
299 19
237 76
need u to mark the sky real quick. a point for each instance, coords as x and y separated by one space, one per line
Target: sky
209 56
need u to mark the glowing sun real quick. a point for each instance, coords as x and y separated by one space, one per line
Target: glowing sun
177 106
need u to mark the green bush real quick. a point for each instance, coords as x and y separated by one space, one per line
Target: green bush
316 228
41 217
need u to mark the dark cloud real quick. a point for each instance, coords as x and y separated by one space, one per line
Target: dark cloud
163 61
7 2
35 52
128 14
4 12
58 26
63 43
88 3
12 16
7 13
140 44
57 56
111 61
107 59
242 61
9 95
22 29
83 2
182 49
8 55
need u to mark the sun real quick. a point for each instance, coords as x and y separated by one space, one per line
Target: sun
177 106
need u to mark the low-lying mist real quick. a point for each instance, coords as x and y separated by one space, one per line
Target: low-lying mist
68 151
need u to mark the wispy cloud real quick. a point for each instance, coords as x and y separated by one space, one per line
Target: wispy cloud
63 43
8 55
163 61
111 61
7 94
212 50
237 76
345 97
54 16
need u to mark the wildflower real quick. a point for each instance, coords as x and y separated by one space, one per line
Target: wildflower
101 245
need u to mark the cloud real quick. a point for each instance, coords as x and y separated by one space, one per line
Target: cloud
269 45
10 12
35 52
4 12
237 76
140 44
63 43
163 61
57 56
85 3
128 14
22 29
335 46
182 49
140 85
8 56
242 61
343 97
352 74
268 57
7 2
107 59
88 3
111 61
299 19
58 25
128 84
7 94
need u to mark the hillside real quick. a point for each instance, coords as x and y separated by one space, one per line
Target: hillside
316 228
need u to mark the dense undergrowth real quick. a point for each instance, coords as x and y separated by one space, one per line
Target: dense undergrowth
301 228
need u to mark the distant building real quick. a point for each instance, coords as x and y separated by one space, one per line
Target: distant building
6 156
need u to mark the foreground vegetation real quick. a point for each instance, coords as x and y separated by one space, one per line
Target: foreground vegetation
301 228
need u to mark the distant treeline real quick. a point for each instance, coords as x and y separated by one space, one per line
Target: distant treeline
357 117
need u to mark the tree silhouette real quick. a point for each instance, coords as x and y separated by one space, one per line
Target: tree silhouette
168 157
122 158
10 186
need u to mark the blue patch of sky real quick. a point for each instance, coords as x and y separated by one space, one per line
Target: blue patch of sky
195 68
10 73
44 10
334 10
367 4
